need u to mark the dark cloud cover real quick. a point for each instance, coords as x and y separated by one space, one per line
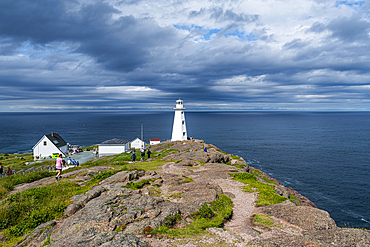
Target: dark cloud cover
96 55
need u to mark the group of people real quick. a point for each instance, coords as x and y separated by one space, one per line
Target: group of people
8 171
73 162
142 153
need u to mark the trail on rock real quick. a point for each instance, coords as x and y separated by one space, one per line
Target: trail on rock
242 211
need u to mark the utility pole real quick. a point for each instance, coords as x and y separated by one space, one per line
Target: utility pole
142 133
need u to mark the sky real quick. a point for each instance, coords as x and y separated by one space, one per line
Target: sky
133 55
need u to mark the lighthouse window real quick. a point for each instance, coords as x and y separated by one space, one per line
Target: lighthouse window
182 112
183 133
183 122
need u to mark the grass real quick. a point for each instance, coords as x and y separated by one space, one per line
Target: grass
187 180
294 199
147 166
24 211
266 192
9 182
264 220
138 185
177 195
212 215
15 160
166 152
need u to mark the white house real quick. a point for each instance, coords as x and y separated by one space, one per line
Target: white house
155 141
49 145
113 146
138 143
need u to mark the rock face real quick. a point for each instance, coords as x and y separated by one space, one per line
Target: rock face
112 214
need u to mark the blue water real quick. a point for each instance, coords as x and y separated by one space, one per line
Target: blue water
324 156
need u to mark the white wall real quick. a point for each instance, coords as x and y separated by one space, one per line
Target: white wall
112 149
137 143
45 151
154 142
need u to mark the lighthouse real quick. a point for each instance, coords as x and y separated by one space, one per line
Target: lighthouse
179 126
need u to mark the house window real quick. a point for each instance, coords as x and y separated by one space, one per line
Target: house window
45 143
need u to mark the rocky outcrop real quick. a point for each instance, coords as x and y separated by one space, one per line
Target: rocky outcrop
113 213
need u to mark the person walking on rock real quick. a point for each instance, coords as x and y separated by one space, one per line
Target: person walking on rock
142 151
148 152
133 156
58 166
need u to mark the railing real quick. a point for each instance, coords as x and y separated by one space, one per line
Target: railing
32 169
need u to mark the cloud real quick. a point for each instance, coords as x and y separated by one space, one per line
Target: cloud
132 54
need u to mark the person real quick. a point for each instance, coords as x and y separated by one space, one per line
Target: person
77 163
133 156
58 166
9 171
205 149
148 152
1 170
69 161
74 162
142 151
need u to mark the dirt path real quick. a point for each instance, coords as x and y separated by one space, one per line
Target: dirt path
49 180
238 227
238 231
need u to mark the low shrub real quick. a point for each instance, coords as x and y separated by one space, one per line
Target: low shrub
221 210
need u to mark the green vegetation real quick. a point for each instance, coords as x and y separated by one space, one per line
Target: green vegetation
177 195
15 160
187 180
166 152
294 199
138 185
9 182
266 192
147 166
247 188
264 220
24 211
212 215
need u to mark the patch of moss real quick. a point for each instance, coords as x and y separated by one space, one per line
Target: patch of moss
266 192
222 209
177 195
294 199
264 220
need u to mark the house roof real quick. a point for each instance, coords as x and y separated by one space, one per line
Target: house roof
155 139
56 139
114 141
139 139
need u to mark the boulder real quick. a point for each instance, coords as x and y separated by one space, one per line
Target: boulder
308 218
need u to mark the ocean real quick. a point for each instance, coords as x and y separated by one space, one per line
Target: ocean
323 155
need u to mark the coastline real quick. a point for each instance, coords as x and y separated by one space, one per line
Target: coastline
170 189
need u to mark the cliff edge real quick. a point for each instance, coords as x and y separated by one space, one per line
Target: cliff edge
195 198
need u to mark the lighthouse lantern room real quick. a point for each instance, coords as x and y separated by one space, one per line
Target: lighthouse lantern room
179 127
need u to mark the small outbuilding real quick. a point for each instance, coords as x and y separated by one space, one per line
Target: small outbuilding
155 141
49 145
113 146
138 143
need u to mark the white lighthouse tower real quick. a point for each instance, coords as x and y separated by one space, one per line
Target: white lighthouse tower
179 126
